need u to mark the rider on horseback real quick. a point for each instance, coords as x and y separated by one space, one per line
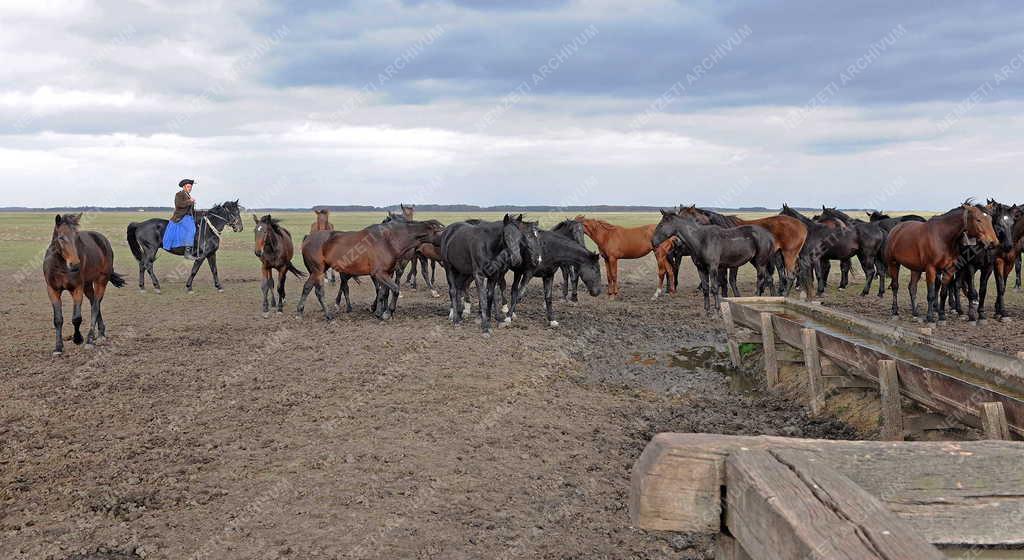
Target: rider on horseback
181 229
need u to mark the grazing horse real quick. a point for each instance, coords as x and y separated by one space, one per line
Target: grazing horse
789 235
559 253
374 251
81 262
998 260
145 239
715 248
482 252
617 242
931 248
870 243
322 222
274 248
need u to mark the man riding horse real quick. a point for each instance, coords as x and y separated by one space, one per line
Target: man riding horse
181 230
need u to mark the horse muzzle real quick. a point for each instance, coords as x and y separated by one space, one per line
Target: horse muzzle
258 253
74 268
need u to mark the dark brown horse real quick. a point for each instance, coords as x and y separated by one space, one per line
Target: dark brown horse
374 251
275 250
931 248
322 222
81 262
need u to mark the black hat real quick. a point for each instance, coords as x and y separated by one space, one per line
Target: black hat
183 182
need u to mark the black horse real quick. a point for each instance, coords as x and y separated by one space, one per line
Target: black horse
974 257
824 242
572 230
876 216
724 281
146 240
870 243
716 248
482 252
560 252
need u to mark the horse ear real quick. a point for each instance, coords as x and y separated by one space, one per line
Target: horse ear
255 219
507 219
56 220
665 213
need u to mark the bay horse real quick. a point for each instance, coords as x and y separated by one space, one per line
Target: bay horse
930 248
81 262
374 251
145 239
482 252
322 222
559 252
788 233
617 242
715 248
275 249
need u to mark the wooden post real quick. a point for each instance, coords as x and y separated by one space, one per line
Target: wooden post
730 333
771 361
726 548
892 405
993 421
813 362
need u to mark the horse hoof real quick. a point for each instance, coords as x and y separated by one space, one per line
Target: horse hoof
552 323
400 296
504 308
505 324
487 334
1004 319
972 323
433 293
266 314
220 290
156 290
57 353
142 290
918 320
451 314
656 294
280 312
385 316
190 292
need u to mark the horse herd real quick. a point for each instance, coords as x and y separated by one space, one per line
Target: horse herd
948 249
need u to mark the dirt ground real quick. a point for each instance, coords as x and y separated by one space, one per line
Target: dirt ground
201 430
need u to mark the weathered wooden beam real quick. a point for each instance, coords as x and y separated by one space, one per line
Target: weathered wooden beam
782 505
956 494
835 382
726 548
892 401
730 333
993 421
771 362
813 362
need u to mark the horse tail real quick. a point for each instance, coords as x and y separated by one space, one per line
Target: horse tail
298 273
116 279
133 241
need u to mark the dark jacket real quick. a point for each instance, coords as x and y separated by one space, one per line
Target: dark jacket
182 206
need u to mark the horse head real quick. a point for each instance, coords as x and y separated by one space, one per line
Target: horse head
1004 219
512 237
264 232
231 213
531 239
65 237
692 212
978 225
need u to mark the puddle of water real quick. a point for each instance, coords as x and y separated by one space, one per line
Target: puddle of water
709 358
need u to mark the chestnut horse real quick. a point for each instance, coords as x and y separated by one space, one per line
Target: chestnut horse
322 222
81 262
274 248
617 242
931 248
788 233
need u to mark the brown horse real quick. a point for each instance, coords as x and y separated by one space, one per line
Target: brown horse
374 251
789 235
81 262
274 248
931 248
616 242
322 222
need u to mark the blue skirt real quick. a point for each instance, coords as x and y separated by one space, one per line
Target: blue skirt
180 234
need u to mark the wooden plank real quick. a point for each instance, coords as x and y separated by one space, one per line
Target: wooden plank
957 494
836 382
785 505
993 421
892 401
813 362
730 333
726 548
771 362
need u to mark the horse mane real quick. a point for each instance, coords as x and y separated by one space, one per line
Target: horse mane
601 223
72 220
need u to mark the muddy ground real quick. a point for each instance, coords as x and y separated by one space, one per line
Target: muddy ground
201 430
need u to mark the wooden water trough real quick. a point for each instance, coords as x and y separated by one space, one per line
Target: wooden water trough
781 498
957 383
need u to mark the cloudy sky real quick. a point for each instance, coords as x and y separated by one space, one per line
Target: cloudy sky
880 104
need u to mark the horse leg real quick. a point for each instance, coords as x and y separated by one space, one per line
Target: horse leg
192 275
344 290
1016 266
265 284
548 281
986 272
76 314
58 320
732 281
1002 273
930 276
150 257
844 270
867 264
484 302
723 283
410 279
715 286
453 294
376 296
389 291
912 290
100 289
211 259
894 285
282 274
822 268
319 289
315 277
705 280
613 276
142 274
